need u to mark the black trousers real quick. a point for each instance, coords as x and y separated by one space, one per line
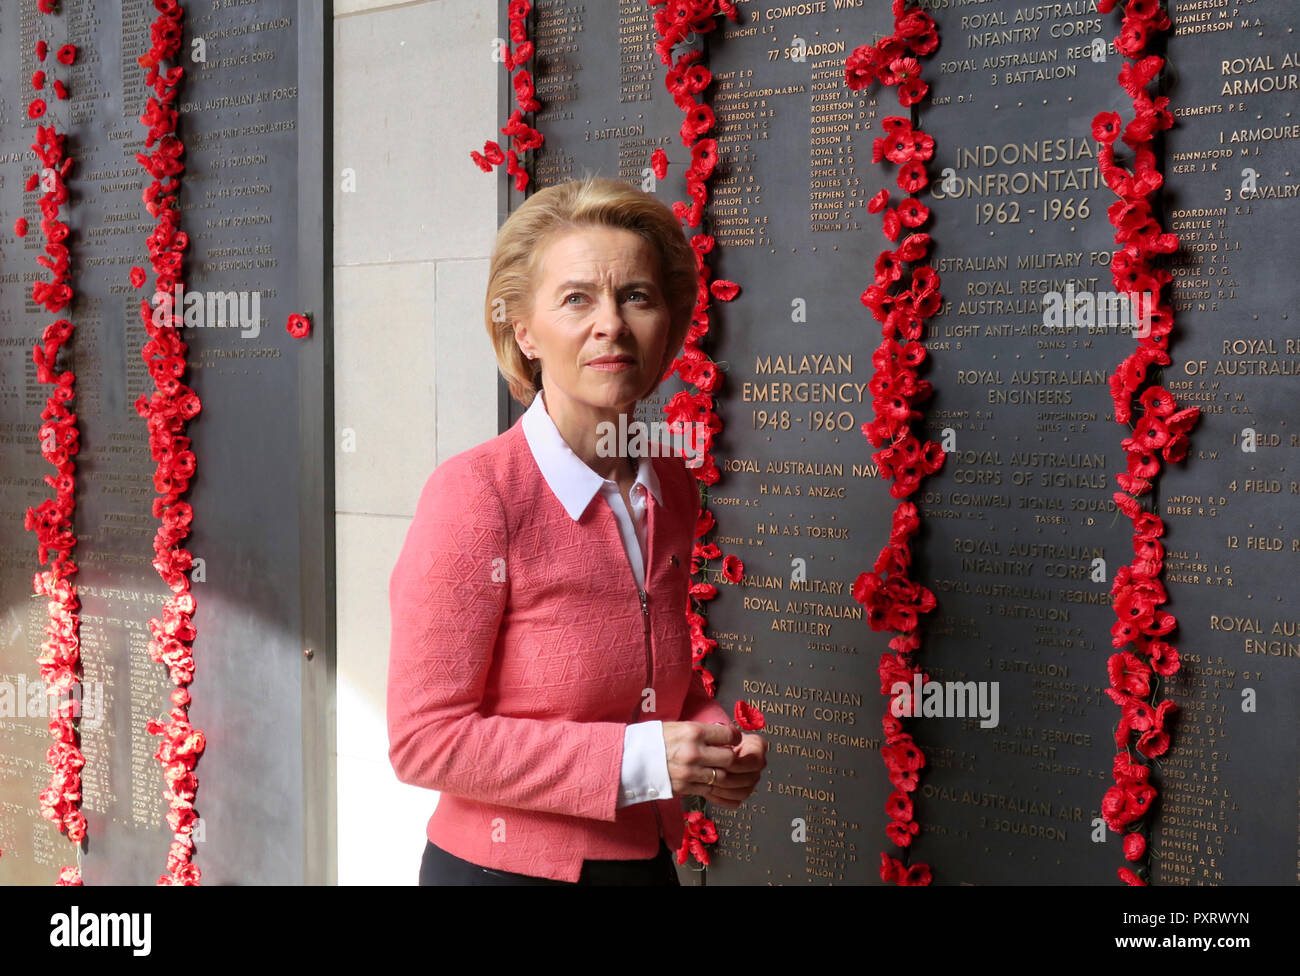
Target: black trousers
441 868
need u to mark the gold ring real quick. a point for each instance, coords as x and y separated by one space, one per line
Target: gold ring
715 776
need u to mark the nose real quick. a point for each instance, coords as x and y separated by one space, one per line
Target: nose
610 322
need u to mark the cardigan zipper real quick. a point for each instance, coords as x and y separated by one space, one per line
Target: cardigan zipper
644 597
649 679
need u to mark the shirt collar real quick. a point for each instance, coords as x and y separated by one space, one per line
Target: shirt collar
568 477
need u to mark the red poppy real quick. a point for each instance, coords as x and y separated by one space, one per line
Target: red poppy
41 50
892 670
1132 39
912 24
733 569
898 147
20 226
891 226
1134 77
698 121
69 877
901 69
860 67
912 177
1130 674
36 108
523 85
1153 743
67 54
676 79
914 247
899 804
1164 658
877 298
1126 803
704 157
924 44
916 876
1147 10
659 163
890 868
1106 126
298 326
913 213
1182 421
912 91
902 833
724 290
888 268
697 78
748 717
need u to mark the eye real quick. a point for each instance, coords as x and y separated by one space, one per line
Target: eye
575 294
644 296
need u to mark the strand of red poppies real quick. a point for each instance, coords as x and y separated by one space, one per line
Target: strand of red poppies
167 411
692 414
52 520
522 135
901 301
1160 433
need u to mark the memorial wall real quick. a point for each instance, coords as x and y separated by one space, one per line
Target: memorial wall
251 114
1022 537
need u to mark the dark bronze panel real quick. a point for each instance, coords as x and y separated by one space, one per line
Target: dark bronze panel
1016 520
253 119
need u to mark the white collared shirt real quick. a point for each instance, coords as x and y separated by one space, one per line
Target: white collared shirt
645 762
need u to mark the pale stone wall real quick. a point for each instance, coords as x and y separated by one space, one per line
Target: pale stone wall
415 89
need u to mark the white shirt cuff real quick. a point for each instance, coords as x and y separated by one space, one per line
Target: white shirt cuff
645 765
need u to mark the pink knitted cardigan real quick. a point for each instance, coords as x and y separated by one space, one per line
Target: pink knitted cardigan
521 650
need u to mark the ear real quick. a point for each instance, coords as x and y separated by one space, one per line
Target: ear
521 335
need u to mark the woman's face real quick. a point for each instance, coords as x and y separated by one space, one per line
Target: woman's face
597 298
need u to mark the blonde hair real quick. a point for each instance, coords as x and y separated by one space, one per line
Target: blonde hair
590 202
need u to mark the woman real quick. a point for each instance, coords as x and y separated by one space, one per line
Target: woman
540 672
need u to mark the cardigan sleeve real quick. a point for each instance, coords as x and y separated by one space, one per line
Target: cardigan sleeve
699 706
447 596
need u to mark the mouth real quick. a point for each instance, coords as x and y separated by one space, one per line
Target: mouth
612 364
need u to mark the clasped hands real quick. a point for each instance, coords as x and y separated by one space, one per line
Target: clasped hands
717 762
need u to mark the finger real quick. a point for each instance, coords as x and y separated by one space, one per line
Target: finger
730 799
710 776
748 764
727 779
722 735
689 785
704 788
696 777
735 796
715 756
